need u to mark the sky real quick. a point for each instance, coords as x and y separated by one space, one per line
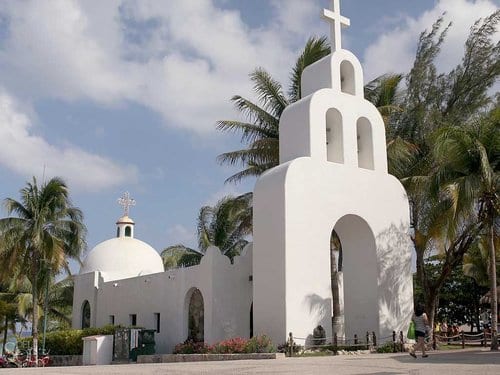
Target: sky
123 95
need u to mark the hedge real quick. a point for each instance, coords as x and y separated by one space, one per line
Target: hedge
66 342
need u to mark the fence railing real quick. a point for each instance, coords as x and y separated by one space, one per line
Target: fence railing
371 342
462 338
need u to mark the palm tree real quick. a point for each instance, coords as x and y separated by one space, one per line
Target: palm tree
469 157
44 230
261 132
224 225
433 102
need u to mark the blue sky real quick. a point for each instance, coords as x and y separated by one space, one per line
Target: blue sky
123 95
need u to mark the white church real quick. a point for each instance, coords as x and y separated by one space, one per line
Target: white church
332 177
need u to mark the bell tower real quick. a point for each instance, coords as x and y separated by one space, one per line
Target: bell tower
332 176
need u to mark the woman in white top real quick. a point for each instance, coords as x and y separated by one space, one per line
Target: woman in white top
421 324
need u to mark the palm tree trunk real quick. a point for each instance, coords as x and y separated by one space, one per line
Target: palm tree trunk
34 328
335 291
5 332
494 296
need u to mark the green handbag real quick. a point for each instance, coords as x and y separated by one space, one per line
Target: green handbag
411 331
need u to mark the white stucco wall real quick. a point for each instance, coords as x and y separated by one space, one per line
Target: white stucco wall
323 183
226 291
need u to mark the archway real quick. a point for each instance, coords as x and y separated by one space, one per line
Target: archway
358 289
86 314
196 315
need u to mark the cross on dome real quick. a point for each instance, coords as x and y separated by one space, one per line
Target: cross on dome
336 21
126 202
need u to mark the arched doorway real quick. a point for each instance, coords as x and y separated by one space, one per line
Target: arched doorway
357 286
196 314
86 314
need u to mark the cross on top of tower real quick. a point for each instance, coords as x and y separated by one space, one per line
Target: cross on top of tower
336 21
126 202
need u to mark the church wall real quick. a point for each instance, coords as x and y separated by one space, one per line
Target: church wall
226 291
232 298
85 289
317 195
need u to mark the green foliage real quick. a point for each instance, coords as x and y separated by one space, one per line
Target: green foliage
42 233
458 297
260 344
388 347
261 131
68 342
224 225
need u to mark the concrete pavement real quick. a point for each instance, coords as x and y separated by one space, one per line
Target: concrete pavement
459 362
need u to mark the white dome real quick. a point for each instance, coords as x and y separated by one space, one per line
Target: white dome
121 258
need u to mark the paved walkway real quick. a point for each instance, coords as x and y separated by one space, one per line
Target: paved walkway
463 362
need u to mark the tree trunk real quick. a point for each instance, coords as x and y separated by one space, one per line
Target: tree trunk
494 295
5 333
34 327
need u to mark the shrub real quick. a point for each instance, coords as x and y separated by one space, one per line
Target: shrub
257 344
388 347
191 347
66 342
260 344
235 345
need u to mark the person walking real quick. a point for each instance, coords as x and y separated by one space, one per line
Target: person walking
421 323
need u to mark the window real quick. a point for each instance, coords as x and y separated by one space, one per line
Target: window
118 232
133 319
112 319
128 231
157 322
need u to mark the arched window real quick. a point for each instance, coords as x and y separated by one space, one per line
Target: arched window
196 317
334 141
128 231
86 314
118 232
347 81
365 143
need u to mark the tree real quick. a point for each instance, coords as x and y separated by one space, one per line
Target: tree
458 297
224 225
261 132
43 232
469 159
434 102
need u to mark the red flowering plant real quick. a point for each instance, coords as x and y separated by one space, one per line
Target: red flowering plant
257 344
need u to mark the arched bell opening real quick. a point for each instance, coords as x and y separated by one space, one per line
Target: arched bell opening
334 136
365 143
347 78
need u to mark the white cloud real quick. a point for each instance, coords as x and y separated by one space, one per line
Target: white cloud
394 51
26 153
183 61
227 190
179 234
